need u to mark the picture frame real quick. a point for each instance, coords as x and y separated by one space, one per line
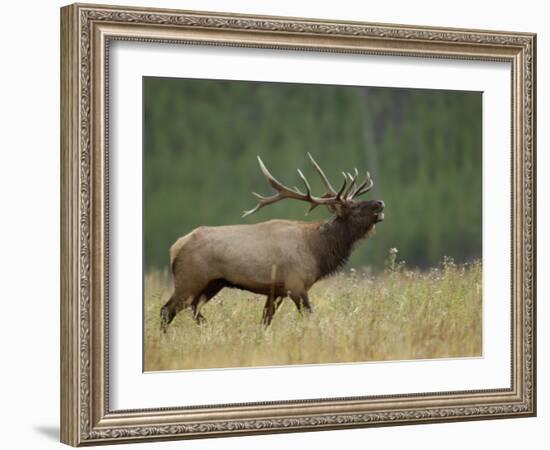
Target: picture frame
87 32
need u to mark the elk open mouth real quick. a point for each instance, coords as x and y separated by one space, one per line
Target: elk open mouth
379 212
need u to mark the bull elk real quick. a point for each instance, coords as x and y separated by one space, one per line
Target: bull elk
277 258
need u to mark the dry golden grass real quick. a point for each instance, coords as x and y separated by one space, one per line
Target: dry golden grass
395 315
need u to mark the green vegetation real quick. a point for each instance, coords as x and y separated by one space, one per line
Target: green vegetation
358 316
422 147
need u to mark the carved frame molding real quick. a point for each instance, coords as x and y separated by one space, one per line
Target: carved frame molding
86 32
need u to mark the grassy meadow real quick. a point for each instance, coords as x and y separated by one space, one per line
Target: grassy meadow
397 314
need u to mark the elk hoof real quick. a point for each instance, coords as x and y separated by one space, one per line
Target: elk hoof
199 319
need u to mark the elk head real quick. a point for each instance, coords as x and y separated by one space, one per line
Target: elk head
360 216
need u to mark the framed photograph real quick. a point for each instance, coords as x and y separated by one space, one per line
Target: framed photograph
276 224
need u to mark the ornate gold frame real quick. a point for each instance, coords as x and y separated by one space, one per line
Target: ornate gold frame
86 31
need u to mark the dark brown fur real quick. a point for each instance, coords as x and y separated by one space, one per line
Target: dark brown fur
334 241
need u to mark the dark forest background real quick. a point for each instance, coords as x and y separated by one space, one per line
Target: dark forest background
422 148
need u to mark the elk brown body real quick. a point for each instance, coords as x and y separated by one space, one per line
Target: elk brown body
276 258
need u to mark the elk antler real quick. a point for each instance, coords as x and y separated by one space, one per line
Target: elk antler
331 198
363 188
346 194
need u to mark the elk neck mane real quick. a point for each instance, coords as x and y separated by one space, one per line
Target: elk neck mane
332 242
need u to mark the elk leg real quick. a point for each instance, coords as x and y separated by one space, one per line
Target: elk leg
269 311
305 302
168 312
208 293
198 303
197 316
301 301
178 301
270 308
